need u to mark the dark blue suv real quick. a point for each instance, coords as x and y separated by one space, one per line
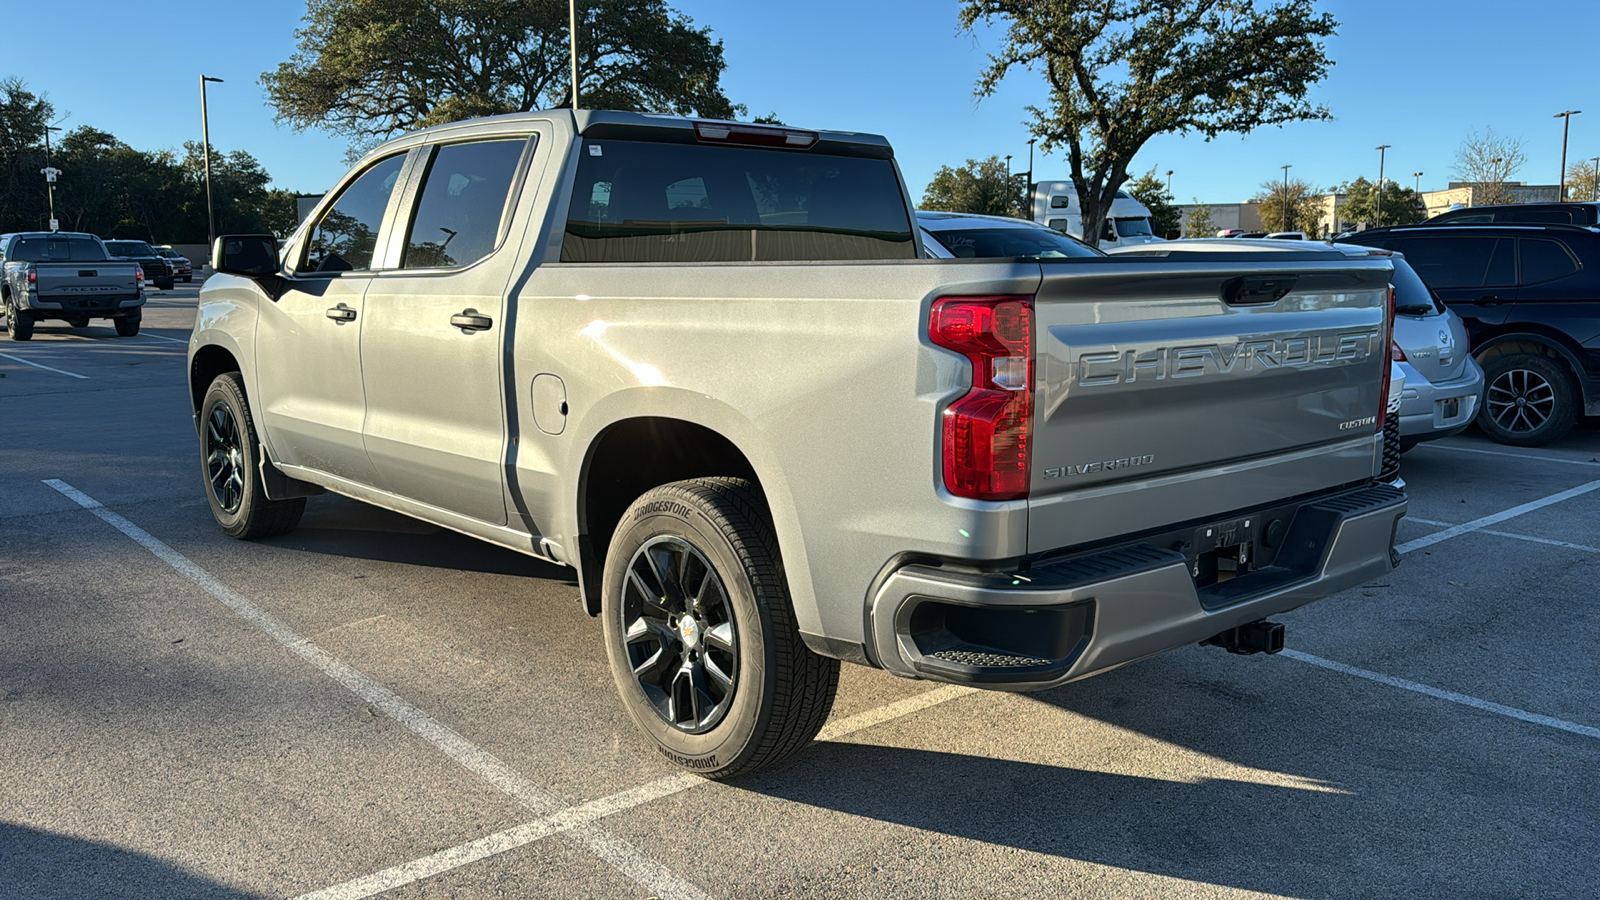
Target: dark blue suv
1530 297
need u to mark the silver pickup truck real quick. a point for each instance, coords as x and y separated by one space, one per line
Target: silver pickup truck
709 366
67 276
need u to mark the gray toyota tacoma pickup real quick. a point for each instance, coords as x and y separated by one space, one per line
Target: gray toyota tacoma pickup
709 366
67 276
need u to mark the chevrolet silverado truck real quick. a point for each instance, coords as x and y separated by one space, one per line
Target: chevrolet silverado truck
711 367
68 276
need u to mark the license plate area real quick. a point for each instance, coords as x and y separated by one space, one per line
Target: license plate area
1222 551
1449 409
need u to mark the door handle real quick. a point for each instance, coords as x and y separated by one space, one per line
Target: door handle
1490 300
471 320
341 313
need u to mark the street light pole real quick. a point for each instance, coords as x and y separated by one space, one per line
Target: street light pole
1566 126
1594 191
205 152
1169 182
1382 149
1417 188
572 38
50 175
1286 198
1030 177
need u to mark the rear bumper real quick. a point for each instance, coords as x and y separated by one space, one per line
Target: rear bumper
1426 410
1068 620
94 305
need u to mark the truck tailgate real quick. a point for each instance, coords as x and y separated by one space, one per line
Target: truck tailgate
1176 390
85 280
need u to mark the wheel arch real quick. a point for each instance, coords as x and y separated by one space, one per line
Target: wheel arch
1546 342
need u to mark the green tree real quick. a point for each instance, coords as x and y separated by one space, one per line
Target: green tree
24 202
980 186
1149 189
1299 205
1581 181
1120 72
1198 223
1401 205
373 68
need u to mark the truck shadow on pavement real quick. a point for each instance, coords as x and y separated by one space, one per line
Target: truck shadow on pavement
43 864
1173 768
339 526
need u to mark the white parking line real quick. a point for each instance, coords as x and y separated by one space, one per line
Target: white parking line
160 338
1452 696
43 366
620 854
571 817
1511 534
1428 540
1522 456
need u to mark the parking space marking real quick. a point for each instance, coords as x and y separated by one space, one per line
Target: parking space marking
1452 696
43 366
1522 456
160 338
1428 540
572 817
1511 534
620 854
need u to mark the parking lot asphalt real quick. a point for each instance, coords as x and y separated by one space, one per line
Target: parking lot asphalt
374 706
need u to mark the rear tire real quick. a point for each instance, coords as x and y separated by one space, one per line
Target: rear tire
165 285
229 458
1528 399
19 323
188 278
128 326
701 633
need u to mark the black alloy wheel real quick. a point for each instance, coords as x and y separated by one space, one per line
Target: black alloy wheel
1528 399
701 631
230 463
682 640
224 457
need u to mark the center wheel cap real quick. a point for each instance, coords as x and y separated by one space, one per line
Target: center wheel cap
689 630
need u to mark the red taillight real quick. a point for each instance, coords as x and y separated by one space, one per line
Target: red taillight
755 135
1388 364
33 277
138 273
1395 353
988 432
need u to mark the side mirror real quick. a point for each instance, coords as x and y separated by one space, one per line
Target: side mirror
250 255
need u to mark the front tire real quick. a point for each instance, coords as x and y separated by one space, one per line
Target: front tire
19 323
701 633
229 463
1528 399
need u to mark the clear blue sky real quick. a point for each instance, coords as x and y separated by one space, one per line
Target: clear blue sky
1417 74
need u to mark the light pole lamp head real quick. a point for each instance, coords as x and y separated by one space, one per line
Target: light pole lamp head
209 78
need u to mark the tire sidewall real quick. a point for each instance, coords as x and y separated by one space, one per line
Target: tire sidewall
225 391
1562 417
733 738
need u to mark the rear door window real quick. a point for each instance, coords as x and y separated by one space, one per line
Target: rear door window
463 204
1462 262
346 236
1545 260
638 201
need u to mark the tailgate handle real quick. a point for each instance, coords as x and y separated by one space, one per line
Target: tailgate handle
88 273
1251 289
